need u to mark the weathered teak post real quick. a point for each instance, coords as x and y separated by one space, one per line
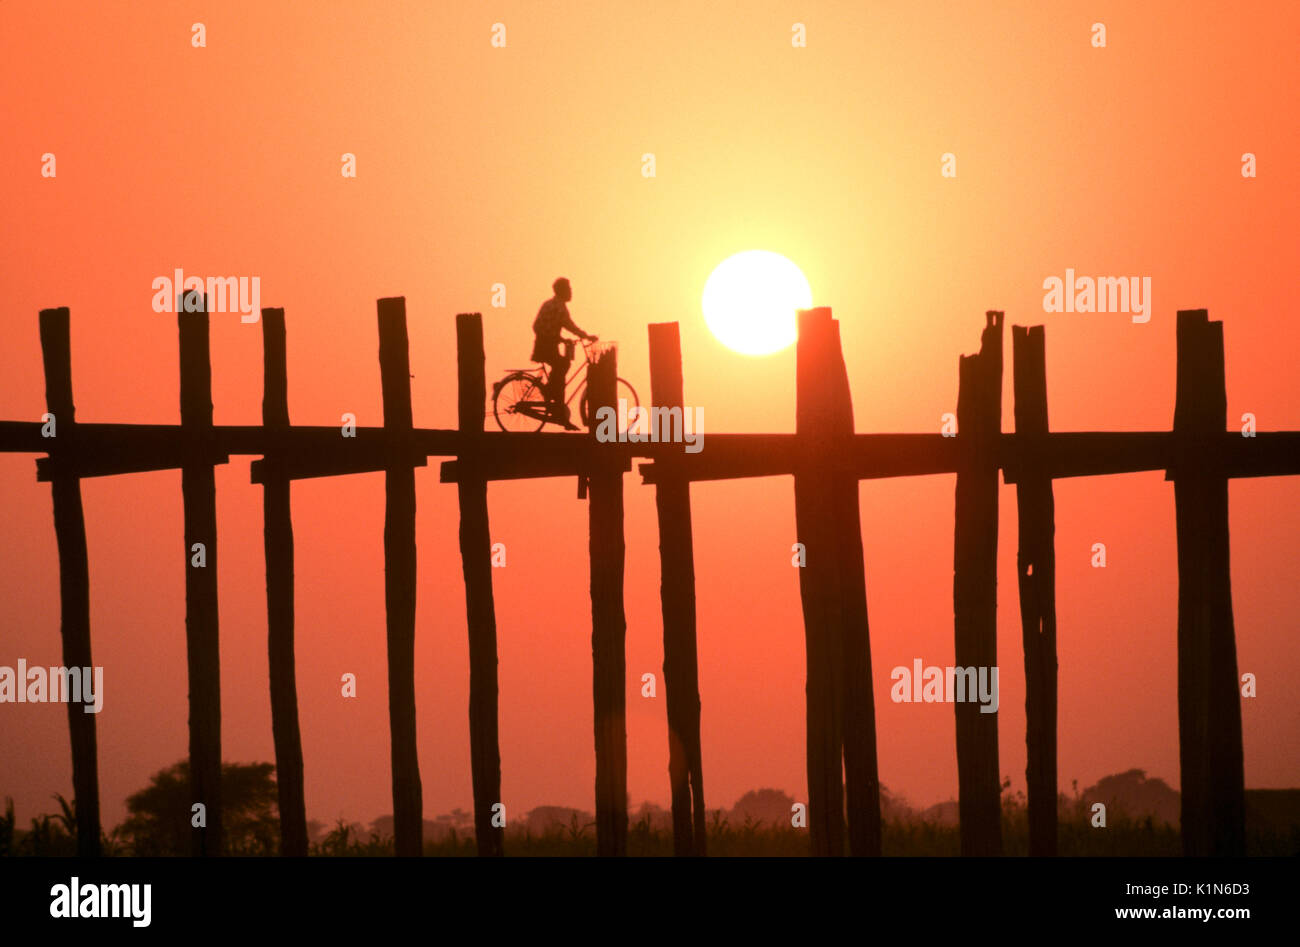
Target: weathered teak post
862 779
608 621
818 585
677 596
480 611
974 586
832 585
277 533
1209 707
399 574
74 570
819 589
1036 574
198 487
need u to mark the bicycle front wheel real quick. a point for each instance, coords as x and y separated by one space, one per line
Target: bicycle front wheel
623 390
518 404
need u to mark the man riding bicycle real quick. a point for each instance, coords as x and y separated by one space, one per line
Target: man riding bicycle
548 348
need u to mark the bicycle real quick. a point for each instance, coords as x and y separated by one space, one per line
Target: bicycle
519 402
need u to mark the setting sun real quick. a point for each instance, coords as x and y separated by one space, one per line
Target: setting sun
750 301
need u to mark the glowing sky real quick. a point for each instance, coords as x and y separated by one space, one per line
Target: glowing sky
479 165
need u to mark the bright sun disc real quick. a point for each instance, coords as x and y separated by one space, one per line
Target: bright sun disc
750 301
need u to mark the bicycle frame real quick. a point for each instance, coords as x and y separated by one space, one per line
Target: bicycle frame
579 368
544 410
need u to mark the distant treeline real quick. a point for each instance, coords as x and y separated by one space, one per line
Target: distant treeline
1141 816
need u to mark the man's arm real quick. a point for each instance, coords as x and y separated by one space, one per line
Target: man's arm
569 324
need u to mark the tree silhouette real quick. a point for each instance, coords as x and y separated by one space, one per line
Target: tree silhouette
160 814
763 805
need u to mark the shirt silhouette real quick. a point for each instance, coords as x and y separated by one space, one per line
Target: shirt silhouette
552 319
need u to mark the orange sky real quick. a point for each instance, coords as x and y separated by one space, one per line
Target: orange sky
479 165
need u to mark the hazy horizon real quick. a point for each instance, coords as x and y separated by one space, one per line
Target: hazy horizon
479 166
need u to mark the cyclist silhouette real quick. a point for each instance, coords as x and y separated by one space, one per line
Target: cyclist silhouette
547 348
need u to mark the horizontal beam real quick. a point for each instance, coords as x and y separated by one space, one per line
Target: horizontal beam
1055 455
114 462
522 468
304 451
1089 454
279 467
147 439
23 437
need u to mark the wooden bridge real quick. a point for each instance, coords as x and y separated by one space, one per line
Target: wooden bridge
826 459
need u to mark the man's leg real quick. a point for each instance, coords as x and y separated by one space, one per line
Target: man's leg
554 373
559 372
554 388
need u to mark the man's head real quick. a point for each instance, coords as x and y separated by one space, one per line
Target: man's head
562 290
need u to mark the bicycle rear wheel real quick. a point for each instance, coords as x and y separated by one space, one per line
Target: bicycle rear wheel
518 404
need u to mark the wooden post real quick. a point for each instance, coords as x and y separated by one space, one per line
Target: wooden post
1036 574
74 573
819 580
841 711
480 611
278 544
974 585
861 770
399 576
198 487
1209 705
677 596
608 623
